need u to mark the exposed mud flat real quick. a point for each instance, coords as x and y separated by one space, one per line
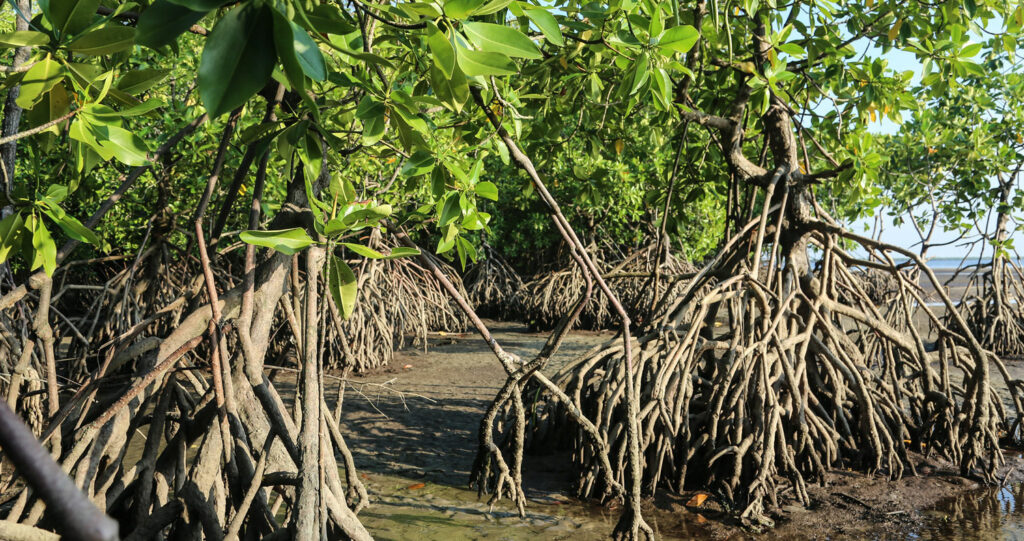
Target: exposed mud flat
413 430
854 505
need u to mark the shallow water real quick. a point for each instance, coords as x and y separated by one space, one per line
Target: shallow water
402 511
995 513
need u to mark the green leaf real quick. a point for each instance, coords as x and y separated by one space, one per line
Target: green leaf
973 68
335 226
451 210
364 251
457 172
163 22
496 38
793 49
309 55
370 253
105 81
80 130
640 73
343 285
342 189
38 80
502 151
441 49
55 104
363 57
237 60
110 140
199 5
679 38
493 6
662 89
286 241
284 42
69 16
85 157
369 214
415 10
23 38
56 193
45 249
461 251
656 25
465 248
299 54
547 24
452 91
126 146
138 81
970 50
356 216
438 181
447 242
487 190
763 97
373 115
72 227
403 251
327 19
473 221
106 40
10 231
421 162
98 113
474 172
460 9
484 63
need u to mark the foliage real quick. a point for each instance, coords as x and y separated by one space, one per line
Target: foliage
950 160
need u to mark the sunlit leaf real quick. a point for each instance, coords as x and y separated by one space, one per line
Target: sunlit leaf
484 63
343 285
286 241
502 39
679 38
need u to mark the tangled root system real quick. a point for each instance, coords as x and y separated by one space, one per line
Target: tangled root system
494 287
633 279
755 382
645 287
880 287
992 305
399 303
547 296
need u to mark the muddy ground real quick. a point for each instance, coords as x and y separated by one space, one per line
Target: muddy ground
413 430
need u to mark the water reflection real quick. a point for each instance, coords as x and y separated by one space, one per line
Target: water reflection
996 513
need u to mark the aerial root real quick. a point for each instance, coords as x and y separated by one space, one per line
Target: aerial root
494 288
399 303
756 379
491 472
632 526
643 281
992 305
231 484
